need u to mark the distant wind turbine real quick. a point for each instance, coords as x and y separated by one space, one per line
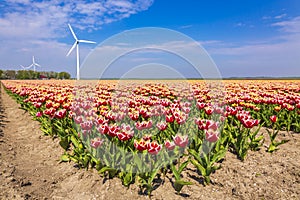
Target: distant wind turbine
24 68
76 44
34 64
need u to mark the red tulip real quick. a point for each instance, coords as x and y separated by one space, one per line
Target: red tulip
169 118
50 112
113 130
249 123
60 113
49 104
140 145
147 137
153 148
273 118
126 133
103 128
208 110
37 104
200 105
124 136
143 125
134 115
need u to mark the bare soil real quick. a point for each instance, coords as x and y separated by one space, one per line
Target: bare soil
30 169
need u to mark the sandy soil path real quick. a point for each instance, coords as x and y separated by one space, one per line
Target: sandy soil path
29 161
30 169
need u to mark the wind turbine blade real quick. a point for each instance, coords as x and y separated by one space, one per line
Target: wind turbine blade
37 65
33 59
74 45
87 41
72 32
23 67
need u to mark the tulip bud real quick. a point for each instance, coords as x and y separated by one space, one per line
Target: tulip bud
273 118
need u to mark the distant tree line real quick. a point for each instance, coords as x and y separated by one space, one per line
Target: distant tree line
30 74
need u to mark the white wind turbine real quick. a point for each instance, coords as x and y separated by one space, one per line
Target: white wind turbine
76 44
34 64
24 68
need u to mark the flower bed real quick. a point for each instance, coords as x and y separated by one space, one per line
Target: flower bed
139 131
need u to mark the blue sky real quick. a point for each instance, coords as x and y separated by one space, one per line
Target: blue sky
244 38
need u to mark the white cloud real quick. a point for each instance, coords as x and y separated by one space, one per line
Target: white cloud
280 16
289 26
277 56
239 24
25 18
186 26
266 17
210 42
18 1
35 27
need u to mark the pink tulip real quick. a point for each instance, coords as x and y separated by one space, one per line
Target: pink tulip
39 114
161 126
169 145
211 135
181 141
96 142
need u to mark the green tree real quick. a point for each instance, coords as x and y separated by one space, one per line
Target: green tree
64 75
20 74
30 74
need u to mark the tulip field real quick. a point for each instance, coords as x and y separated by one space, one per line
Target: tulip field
139 131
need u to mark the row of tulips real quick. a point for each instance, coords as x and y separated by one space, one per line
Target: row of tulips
140 131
